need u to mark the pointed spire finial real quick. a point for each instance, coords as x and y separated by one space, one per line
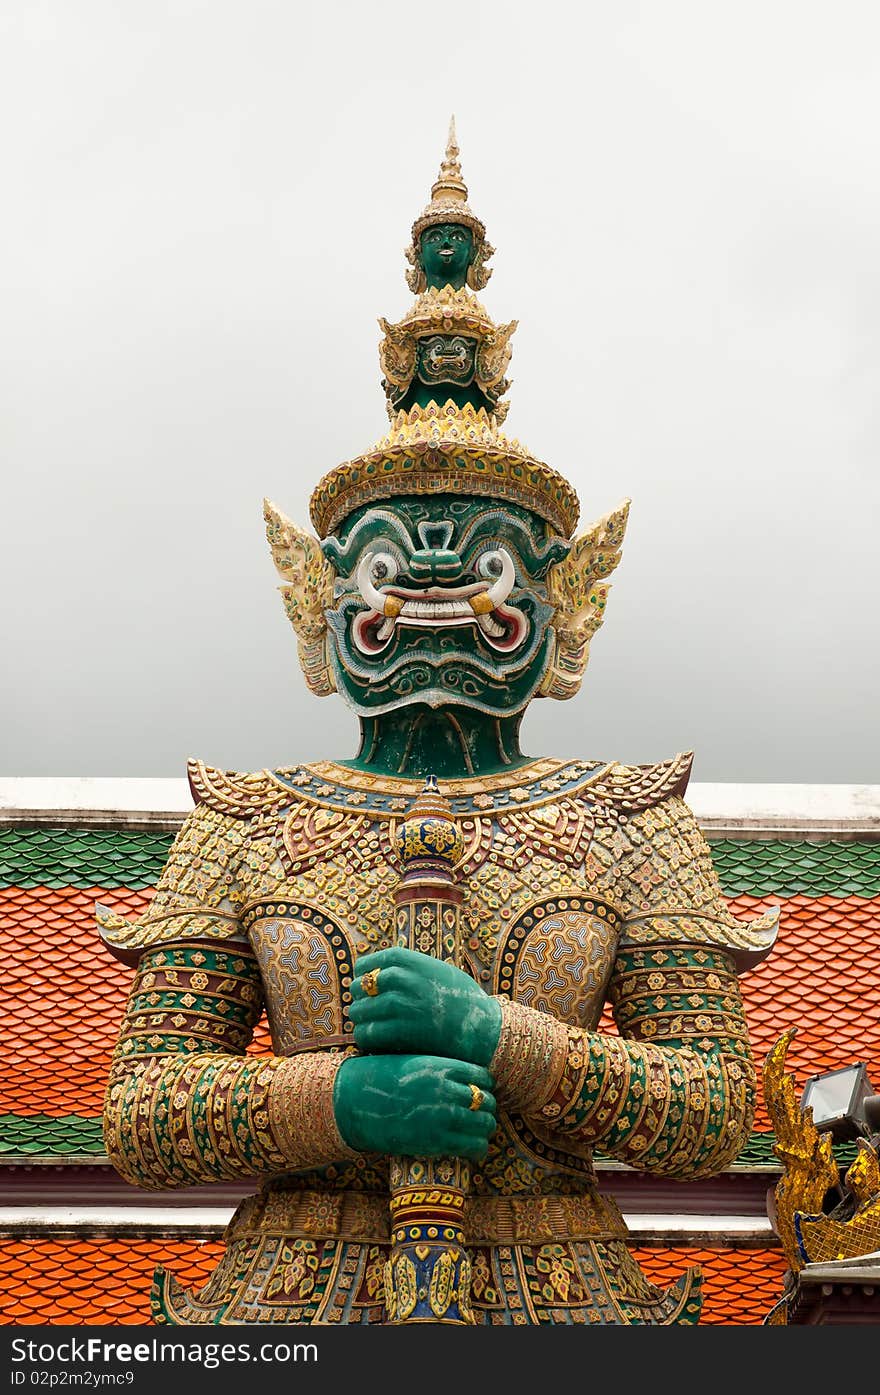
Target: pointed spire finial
452 150
449 183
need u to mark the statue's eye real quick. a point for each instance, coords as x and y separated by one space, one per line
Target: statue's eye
490 564
383 567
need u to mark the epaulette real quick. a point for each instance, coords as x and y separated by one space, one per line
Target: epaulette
632 788
241 796
127 939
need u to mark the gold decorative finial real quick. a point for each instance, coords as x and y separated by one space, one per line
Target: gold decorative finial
429 841
449 185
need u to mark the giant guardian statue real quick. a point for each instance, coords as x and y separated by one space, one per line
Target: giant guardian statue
434 926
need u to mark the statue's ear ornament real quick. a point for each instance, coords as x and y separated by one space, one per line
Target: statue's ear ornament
576 588
307 594
415 276
478 273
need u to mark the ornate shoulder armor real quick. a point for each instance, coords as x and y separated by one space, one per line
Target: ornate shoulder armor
632 788
670 891
198 896
240 796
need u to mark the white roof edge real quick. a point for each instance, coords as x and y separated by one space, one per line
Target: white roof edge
185 1218
705 1223
95 794
157 1217
720 805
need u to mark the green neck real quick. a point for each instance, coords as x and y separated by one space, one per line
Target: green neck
421 395
449 742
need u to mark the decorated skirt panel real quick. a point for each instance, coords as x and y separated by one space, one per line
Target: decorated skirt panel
301 1281
313 1256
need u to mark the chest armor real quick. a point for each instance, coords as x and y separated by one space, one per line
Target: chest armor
537 920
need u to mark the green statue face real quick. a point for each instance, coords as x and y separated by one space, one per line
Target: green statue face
441 601
446 252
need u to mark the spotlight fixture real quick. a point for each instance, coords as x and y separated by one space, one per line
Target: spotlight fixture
843 1102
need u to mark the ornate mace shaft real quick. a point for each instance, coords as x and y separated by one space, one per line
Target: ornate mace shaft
428 1274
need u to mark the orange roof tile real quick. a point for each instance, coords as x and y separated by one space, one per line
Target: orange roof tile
108 1281
739 1286
63 999
93 1281
823 977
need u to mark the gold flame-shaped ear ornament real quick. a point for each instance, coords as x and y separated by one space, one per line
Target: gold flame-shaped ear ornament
307 593
576 588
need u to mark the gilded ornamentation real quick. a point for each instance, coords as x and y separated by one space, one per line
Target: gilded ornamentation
428 1194
196 898
808 1233
445 449
560 962
307 592
180 1088
577 590
306 984
229 792
679 1104
447 331
449 205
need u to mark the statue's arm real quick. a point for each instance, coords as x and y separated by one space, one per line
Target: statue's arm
674 1092
184 1103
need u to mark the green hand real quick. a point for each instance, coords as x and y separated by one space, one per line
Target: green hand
414 1106
424 1005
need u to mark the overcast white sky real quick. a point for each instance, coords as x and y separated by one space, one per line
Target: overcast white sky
204 211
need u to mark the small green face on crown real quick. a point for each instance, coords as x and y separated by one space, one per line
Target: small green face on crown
441 600
446 251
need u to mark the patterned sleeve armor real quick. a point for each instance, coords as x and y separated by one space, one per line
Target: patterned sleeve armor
674 1092
184 1103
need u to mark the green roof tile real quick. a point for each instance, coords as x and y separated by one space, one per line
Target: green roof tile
105 857
56 857
758 1152
41 1135
750 867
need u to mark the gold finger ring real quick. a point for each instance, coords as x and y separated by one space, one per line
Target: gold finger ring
370 982
477 1097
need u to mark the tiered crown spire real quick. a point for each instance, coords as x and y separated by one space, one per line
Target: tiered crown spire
444 370
449 192
449 204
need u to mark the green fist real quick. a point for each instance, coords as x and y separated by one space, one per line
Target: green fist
414 1106
424 1005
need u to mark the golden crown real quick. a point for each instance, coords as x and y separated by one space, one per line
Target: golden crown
445 450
